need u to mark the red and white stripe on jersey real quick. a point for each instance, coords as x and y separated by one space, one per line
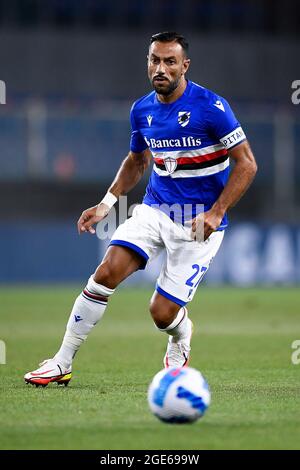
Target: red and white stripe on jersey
201 162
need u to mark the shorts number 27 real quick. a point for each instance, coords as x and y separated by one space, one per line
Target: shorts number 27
191 280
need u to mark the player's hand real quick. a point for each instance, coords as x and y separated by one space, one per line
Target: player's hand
205 224
91 216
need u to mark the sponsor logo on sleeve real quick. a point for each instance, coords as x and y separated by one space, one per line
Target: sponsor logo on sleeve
220 105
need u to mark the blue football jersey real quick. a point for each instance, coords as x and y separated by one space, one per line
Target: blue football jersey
189 140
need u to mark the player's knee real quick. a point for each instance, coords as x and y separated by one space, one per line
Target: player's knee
162 314
106 275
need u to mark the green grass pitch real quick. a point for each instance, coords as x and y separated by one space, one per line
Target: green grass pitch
242 344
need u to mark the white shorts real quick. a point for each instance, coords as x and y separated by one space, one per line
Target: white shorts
149 232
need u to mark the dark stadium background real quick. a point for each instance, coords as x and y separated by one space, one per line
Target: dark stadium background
72 69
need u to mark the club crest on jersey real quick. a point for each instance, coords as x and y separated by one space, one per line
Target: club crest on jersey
170 164
184 118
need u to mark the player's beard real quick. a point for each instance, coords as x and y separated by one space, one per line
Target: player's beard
166 90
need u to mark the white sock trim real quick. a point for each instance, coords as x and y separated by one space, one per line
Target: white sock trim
99 289
181 315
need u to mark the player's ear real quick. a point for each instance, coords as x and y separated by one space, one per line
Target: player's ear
185 65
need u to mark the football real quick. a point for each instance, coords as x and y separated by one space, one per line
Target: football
178 395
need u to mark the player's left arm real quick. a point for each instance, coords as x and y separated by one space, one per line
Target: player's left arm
241 177
225 128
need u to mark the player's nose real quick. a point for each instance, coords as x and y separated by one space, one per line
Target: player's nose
160 68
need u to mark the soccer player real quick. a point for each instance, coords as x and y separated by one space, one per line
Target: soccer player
190 133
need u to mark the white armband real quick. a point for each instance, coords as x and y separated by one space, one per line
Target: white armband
109 199
233 138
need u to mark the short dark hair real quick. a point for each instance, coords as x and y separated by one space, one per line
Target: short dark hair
170 36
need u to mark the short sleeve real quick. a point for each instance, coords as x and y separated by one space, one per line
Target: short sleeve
137 141
223 124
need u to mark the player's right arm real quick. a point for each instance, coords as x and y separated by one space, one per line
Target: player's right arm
130 172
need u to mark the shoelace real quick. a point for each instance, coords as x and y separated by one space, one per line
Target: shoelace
173 352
